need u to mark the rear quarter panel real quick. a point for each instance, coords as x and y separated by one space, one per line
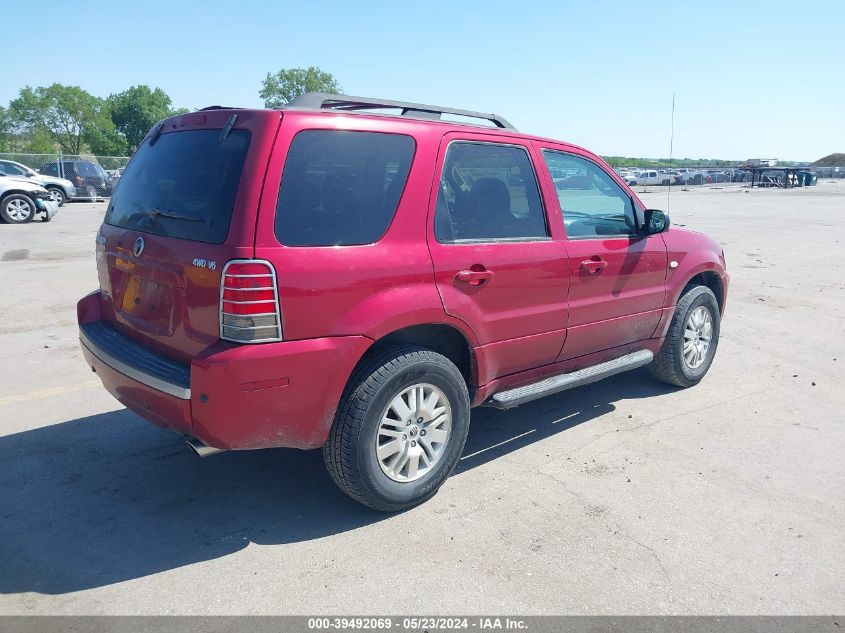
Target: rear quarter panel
368 290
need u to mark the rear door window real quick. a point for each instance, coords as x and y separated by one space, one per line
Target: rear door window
182 186
341 188
488 192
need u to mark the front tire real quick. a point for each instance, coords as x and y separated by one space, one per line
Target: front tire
690 344
400 428
58 194
17 208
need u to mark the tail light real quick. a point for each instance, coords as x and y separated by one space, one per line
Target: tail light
79 181
249 302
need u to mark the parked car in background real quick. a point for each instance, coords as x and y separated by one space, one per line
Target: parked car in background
650 177
21 200
60 188
691 177
90 179
395 272
114 175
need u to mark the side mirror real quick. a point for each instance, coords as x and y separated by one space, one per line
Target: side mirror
656 221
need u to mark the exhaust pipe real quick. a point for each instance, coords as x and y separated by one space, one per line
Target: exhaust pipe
201 449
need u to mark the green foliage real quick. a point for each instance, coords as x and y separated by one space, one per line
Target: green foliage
65 112
624 161
5 130
101 137
136 110
37 142
55 118
280 88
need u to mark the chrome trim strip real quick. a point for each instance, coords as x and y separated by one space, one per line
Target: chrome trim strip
133 373
251 327
246 289
273 301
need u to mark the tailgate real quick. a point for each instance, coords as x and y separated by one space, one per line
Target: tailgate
185 205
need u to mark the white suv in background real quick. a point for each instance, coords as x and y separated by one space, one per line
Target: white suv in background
60 189
22 200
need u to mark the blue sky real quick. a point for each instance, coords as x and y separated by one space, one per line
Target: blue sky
753 79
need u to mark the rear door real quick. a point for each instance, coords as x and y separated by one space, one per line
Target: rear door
186 204
495 264
617 276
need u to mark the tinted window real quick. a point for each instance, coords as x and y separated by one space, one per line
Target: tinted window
590 200
488 192
12 170
182 186
340 187
84 168
49 169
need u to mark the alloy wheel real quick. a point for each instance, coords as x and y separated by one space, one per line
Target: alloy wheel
413 433
698 332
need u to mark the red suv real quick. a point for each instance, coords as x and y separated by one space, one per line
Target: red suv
356 274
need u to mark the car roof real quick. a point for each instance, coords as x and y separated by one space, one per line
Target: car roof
414 114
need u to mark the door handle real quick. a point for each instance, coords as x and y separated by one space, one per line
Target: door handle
474 277
593 266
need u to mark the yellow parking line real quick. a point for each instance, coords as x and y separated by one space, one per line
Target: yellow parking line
49 393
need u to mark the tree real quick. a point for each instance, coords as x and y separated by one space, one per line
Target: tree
136 110
65 112
102 137
282 87
5 130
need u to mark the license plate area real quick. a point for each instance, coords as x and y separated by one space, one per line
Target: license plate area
149 301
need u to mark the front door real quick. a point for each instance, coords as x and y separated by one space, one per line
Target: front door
495 264
617 275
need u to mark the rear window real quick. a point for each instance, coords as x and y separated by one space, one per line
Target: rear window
182 186
86 169
341 188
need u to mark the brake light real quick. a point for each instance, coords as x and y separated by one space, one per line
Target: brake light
78 180
249 302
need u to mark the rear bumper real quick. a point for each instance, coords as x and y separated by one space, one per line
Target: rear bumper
231 396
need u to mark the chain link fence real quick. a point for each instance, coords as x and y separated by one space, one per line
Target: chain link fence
92 177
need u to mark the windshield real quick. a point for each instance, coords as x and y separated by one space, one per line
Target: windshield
184 185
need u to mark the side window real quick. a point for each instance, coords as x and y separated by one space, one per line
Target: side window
13 170
488 192
49 169
341 188
593 205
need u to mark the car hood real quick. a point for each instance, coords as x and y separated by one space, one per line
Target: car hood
683 238
10 182
64 182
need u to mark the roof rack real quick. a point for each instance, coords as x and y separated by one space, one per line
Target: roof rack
345 103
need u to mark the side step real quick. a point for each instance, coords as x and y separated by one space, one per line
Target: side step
546 387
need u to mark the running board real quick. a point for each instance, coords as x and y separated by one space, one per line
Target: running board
521 395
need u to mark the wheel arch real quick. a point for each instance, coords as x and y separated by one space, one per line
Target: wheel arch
443 338
22 192
710 279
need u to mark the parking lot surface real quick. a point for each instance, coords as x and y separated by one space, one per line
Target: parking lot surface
624 497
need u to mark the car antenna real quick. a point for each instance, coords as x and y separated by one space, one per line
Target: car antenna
671 144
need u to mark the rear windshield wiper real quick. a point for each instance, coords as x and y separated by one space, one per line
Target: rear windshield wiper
159 213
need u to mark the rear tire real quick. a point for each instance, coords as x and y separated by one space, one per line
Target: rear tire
400 428
17 208
690 344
